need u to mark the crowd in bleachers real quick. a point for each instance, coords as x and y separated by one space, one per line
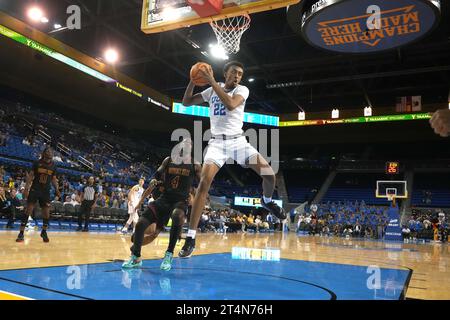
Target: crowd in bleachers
428 224
343 218
224 220
24 131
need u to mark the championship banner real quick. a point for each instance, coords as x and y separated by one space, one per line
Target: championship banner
364 26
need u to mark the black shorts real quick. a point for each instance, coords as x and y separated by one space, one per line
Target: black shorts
39 195
160 211
86 206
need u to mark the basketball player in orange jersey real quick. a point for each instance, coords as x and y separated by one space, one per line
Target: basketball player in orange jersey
177 174
37 188
226 105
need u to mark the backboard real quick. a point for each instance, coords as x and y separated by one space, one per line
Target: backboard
386 188
165 15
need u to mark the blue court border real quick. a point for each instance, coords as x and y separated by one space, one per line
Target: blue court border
332 295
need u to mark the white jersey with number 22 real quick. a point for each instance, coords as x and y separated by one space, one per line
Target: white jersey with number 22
224 121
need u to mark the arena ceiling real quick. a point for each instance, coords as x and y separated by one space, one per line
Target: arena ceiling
270 49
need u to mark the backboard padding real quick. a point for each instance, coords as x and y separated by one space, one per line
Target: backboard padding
153 20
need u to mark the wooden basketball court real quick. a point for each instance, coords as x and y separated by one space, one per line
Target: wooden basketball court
427 266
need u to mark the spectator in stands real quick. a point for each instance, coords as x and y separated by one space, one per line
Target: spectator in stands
406 232
348 231
221 221
258 223
264 225
19 195
251 222
71 200
203 221
368 233
6 207
412 228
337 229
418 229
357 228
427 224
11 183
325 231
107 199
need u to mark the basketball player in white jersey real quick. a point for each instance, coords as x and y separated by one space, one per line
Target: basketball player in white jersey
226 108
134 196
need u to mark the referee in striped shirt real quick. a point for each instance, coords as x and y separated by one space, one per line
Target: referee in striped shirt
89 196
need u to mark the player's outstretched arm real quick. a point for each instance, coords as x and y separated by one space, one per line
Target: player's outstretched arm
189 98
154 182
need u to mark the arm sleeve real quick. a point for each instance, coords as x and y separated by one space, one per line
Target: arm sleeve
206 94
242 91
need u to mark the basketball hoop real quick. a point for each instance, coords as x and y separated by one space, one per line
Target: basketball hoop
229 32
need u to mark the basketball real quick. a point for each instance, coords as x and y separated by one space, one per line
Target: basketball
196 76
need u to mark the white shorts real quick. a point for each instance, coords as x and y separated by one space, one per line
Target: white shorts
221 151
132 208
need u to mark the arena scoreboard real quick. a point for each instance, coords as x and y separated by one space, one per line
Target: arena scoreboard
392 167
249 117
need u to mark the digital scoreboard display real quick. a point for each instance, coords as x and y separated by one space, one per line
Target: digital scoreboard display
392 167
249 117
252 202
386 118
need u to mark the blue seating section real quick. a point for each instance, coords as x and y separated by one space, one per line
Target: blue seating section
356 186
16 148
299 183
342 194
438 184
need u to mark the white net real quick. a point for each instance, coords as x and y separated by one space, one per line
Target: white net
390 197
229 32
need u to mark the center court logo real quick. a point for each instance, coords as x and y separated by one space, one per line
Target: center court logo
358 26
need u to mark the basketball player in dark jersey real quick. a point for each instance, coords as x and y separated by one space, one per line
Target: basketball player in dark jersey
37 188
176 176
